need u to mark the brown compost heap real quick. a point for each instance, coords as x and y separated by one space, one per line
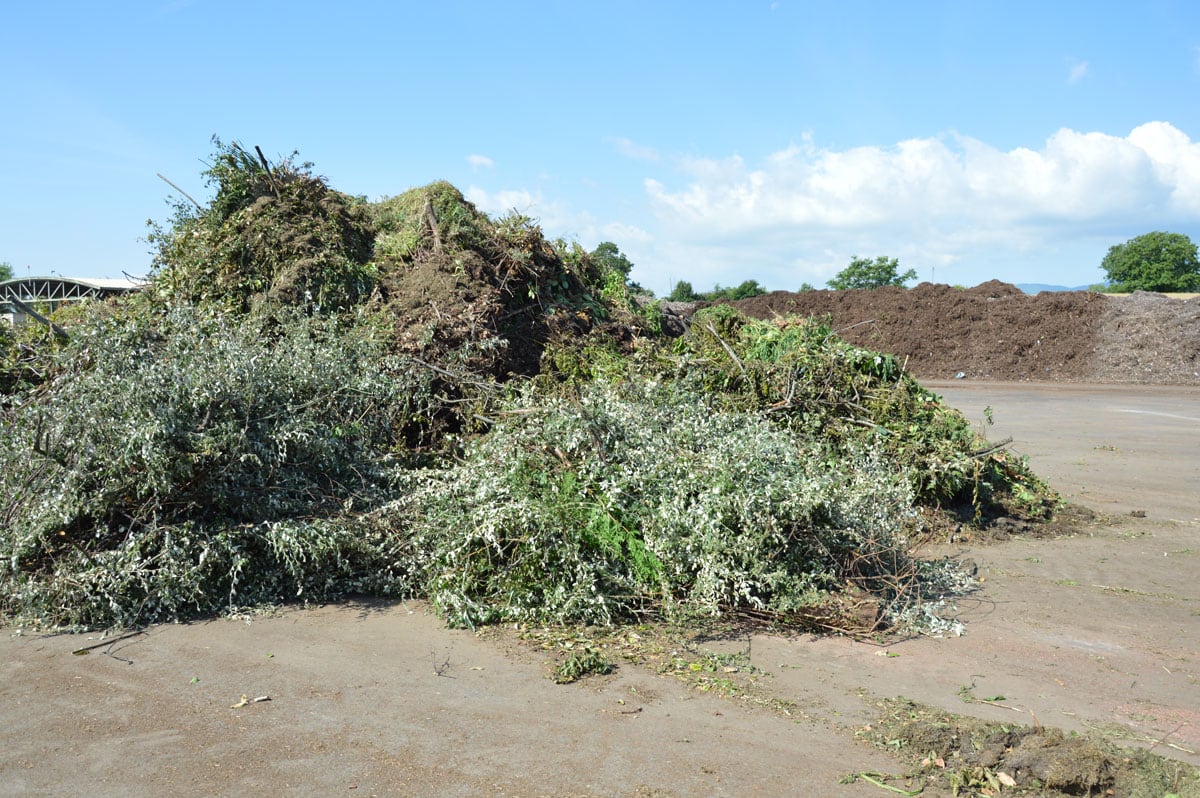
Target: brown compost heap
994 331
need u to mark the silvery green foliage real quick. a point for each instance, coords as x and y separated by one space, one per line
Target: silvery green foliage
199 464
640 498
187 569
175 467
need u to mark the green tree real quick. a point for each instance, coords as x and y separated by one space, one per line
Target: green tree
6 271
683 292
1155 261
610 258
864 273
743 290
747 289
616 268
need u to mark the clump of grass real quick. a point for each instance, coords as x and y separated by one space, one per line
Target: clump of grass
274 234
967 756
585 661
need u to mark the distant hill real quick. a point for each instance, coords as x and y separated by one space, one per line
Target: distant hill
1037 288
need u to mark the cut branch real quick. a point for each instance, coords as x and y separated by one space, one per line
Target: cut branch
267 168
59 332
989 450
728 349
181 191
437 236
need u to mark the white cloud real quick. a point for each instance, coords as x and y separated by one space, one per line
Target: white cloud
635 151
936 202
480 162
1176 162
1078 71
953 181
503 201
621 233
955 208
555 218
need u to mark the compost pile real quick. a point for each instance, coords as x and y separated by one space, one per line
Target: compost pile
994 331
320 395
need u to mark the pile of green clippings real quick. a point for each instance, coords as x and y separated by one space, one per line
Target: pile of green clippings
319 396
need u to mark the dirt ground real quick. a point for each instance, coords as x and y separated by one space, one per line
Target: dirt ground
995 332
1092 632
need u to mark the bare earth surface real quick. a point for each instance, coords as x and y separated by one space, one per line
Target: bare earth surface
995 332
1098 631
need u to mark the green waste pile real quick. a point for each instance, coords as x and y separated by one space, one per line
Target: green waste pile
320 396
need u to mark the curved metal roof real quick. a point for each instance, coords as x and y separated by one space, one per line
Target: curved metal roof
64 289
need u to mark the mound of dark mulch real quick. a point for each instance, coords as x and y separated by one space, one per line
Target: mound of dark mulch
994 331
1149 338
969 756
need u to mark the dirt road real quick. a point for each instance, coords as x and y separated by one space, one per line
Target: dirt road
1116 449
1096 631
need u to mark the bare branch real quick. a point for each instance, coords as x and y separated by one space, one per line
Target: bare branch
181 191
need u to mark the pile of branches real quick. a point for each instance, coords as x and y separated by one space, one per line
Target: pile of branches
800 375
318 395
272 234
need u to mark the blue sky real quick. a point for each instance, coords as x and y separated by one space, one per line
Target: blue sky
712 141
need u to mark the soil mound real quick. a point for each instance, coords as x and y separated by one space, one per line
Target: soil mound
1149 338
994 331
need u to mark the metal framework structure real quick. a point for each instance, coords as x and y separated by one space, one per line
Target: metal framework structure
63 289
28 295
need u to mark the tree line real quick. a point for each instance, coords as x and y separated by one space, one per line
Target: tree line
1159 261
